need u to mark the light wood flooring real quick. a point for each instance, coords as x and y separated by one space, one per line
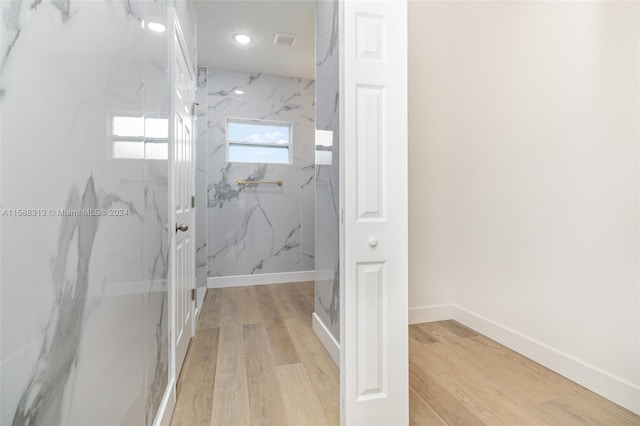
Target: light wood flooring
459 377
256 361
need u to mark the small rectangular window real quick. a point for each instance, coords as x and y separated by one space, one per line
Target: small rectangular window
140 137
258 141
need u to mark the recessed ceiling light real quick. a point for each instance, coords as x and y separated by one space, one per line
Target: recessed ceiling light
154 26
242 38
238 92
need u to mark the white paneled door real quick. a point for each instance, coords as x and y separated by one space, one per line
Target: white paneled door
182 177
374 357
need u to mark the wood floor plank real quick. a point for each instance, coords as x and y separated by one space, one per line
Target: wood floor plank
282 347
510 419
458 329
265 396
231 347
211 309
439 332
278 338
280 299
502 356
421 413
513 373
478 388
251 312
303 305
196 396
447 404
593 410
453 412
300 400
231 400
297 304
421 334
422 383
308 289
267 303
323 372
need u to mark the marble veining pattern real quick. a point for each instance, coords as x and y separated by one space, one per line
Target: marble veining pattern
259 229
89 292
41 401
201 177
327 243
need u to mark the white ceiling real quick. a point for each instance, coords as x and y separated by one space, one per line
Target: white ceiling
219 20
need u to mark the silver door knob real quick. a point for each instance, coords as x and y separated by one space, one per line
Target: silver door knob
373 241
183 227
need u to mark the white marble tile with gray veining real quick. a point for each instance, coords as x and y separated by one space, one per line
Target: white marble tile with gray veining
327 243
260 229
90 292
201 177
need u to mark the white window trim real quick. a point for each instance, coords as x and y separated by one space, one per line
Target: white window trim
258 121
134 139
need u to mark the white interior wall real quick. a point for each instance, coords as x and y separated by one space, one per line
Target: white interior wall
523 133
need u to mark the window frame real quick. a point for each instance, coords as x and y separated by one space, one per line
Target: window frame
141 139
242 120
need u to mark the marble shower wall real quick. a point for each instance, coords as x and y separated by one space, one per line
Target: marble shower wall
266 228
83 277
201 177
327 247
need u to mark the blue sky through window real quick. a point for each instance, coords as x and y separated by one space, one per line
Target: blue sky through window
258 154
272 134
258 142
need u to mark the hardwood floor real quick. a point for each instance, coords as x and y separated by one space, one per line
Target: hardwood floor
256 361
460 377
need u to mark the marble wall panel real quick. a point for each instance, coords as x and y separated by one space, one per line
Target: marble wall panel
83 289
259 229
327 243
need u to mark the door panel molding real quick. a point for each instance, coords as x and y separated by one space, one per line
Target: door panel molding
374 234
181 189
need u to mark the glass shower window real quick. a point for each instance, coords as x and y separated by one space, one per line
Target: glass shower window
258 141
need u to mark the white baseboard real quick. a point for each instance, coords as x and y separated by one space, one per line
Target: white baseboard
430 314
260 279
326 338
613 388
200 292
168 403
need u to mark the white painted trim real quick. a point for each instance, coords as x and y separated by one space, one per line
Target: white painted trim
613 388
430 314
168 403
1 205
260 279
200 293
171 274
326 338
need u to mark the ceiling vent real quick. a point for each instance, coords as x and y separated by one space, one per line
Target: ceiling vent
282 39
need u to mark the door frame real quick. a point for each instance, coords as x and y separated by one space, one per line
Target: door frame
373 36
175 31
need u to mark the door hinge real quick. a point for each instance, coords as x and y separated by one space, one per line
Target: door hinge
193 201
193 108
193 294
